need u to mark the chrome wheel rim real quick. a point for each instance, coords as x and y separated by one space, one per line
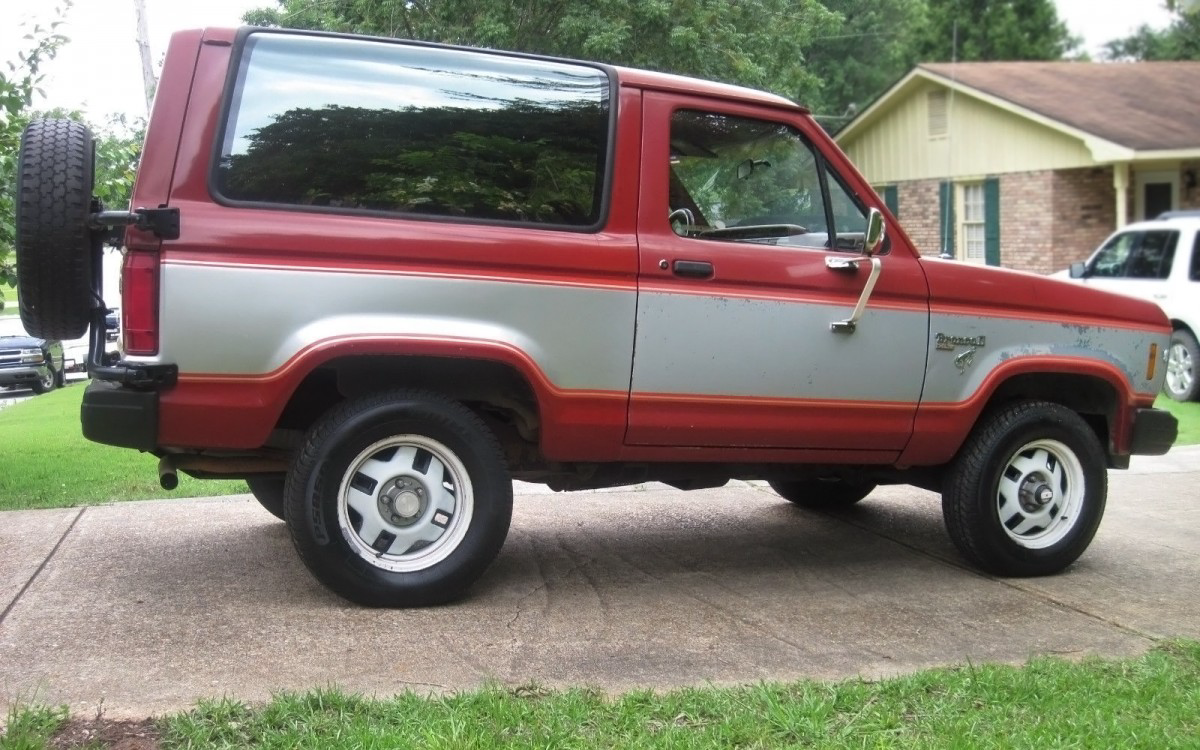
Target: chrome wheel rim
1041 494
1180 369
405 503
47 380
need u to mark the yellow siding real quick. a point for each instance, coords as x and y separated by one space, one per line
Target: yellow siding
982 140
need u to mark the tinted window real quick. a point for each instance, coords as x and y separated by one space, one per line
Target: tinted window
1153 256
740 179
1195 269
360 125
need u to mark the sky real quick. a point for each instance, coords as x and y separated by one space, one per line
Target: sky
99 70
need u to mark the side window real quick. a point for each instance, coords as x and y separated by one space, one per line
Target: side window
354 125
1110 261
1194 271
1153 256
745 180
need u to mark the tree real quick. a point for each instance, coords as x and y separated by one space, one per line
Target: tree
985 30
859 59
759 43
18 85
1179 41
118 141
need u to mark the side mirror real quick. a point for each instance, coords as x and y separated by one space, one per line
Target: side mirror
1078 270
875 229
748 166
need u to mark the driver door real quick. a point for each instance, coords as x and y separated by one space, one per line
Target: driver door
739 215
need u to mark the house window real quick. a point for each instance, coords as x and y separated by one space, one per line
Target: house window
972 242
939 118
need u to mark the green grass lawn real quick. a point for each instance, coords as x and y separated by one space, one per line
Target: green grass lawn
45 462
1189 419
1149 702
9 295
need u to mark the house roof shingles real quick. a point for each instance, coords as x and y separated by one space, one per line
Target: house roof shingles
1143 106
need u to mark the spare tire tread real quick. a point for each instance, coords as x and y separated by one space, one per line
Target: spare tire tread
55 260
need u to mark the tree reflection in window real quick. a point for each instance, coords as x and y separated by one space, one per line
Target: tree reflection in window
522 141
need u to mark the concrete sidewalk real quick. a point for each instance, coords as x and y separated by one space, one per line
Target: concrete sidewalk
146 607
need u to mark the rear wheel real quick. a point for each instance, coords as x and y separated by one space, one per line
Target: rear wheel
1182 383
1027 491
822 493
399 499
56 250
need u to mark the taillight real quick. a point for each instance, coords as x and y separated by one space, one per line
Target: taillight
139 302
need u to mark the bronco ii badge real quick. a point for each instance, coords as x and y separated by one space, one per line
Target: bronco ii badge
947 343
967 358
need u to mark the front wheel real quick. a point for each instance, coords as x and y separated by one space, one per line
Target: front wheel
399 499
1182 383
45 382
1027 491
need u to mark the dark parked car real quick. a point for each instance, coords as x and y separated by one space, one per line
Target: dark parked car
27 361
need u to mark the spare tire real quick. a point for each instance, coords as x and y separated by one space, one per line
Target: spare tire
56 250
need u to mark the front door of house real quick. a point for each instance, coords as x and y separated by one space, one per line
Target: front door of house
1156 193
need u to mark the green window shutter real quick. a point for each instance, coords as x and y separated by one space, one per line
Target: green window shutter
991 221
946 226
891 199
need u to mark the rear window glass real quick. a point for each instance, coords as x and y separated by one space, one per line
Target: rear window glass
356 125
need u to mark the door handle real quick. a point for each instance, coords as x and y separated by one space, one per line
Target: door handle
692 269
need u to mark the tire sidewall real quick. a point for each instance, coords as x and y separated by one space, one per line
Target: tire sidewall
996 545
312 501
1188 341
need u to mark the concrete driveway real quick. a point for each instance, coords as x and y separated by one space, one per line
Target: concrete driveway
145 607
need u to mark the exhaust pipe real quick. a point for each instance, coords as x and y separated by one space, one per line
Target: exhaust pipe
169 467
168 478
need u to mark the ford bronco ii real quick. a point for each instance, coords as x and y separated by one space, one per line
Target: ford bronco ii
381 279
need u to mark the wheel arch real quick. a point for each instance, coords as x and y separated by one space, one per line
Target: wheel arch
246 412
499 391
1097 391
1092 397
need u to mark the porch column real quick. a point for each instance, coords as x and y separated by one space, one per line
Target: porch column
1121 185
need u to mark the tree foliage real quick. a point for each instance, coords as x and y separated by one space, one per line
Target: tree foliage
19 83
118 140
865 54
758 43
1178 41
985 30
835 56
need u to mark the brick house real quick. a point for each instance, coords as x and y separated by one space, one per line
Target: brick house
1030 165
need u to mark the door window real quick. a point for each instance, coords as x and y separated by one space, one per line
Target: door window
745 180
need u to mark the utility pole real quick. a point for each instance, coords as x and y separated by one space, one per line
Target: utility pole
143 42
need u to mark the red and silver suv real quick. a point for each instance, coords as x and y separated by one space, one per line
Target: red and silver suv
382 279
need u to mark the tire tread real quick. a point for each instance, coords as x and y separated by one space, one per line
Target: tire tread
54 243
